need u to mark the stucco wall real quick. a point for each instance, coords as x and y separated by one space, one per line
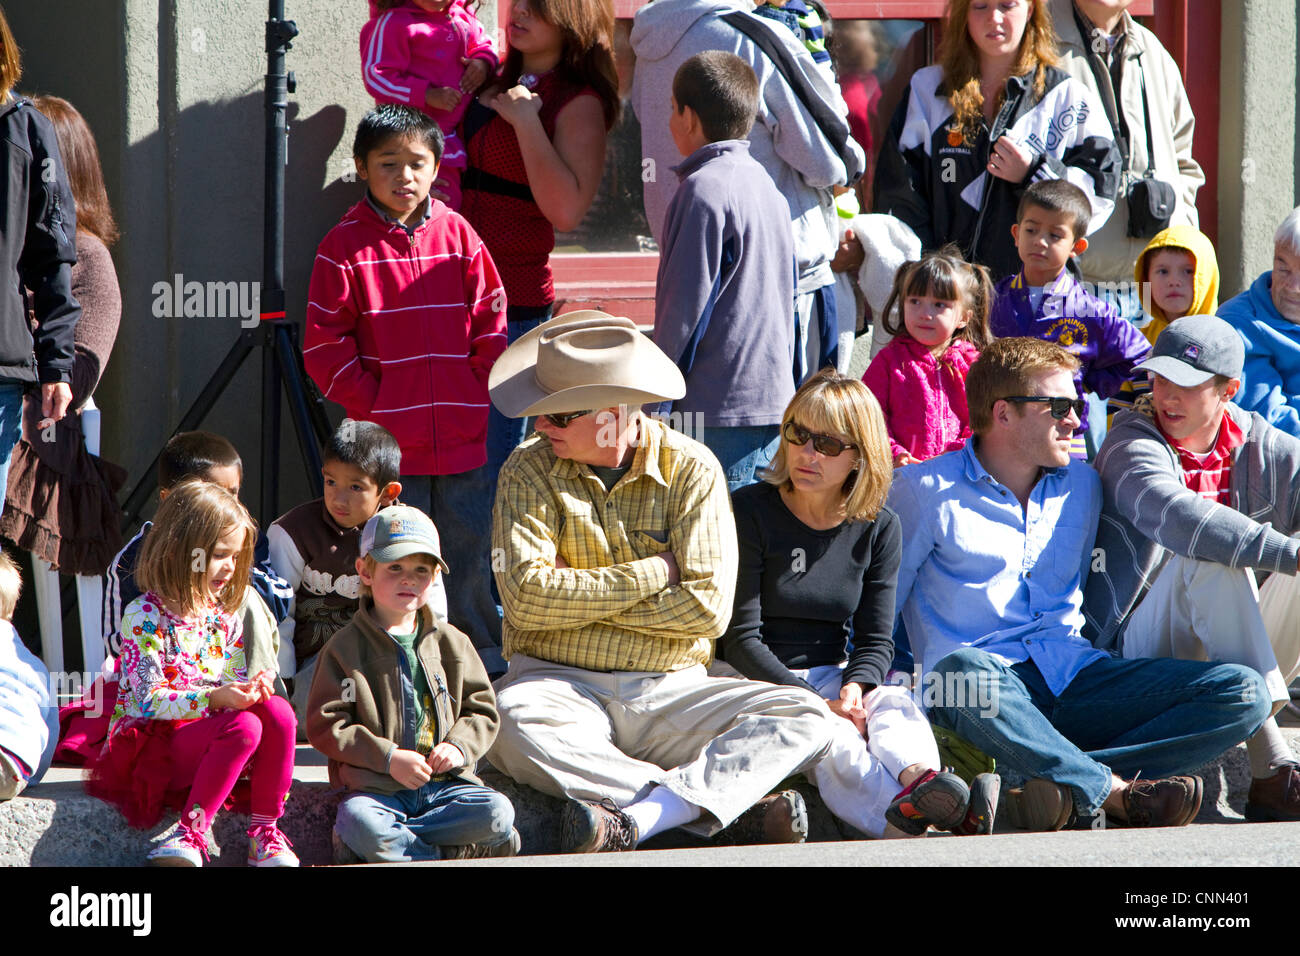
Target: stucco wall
1257 135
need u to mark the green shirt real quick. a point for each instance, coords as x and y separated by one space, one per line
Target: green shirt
424 713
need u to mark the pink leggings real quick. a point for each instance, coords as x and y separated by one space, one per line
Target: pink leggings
209 754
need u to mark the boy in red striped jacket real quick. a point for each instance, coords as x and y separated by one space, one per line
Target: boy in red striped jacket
405 318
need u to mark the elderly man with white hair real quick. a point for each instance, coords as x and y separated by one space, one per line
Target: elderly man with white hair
1267 317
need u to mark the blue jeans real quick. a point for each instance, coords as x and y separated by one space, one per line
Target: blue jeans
505 434
742 451
1147 716
461 508
11 425
411 825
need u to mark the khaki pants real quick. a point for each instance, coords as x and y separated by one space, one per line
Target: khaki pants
718 743
1200 611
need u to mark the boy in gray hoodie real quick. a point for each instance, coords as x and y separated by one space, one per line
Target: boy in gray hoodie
723 294
1199 497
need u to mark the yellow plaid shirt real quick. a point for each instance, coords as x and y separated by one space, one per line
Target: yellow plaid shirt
611 609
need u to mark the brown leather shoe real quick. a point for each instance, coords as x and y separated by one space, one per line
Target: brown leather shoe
779 818
1275 798
602 827
1171 802
1039 806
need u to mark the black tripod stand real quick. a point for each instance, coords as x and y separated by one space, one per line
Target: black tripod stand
275 334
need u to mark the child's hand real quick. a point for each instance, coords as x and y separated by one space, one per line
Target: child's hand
1009 161
445 757
516 104
858 718
903 458
235 696
441 98
264 685
409 769
476 71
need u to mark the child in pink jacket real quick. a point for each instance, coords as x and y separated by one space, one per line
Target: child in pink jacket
919 378
431 55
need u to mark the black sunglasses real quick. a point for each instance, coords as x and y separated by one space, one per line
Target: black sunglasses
563 419
823 444
1060 406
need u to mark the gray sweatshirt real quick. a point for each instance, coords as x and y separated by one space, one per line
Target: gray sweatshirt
723 295
1148 513
785 140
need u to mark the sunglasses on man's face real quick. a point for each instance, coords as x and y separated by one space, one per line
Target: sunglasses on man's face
563 419
824 444
1060 406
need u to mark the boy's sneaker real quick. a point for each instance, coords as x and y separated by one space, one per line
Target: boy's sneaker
267 846
937 798
185 847
779 818
477 851
1040 805
596 828
983 806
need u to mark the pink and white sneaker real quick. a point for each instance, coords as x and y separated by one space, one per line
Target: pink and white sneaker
267 846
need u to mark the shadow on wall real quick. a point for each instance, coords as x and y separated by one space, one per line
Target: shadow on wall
191 268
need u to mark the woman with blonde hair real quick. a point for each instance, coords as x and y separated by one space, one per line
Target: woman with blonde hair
996 114
819 555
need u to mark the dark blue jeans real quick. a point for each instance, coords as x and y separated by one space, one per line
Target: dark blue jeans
1155 717
505 434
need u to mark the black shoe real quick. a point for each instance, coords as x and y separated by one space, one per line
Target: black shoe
982 807
596 828
779 818
936 798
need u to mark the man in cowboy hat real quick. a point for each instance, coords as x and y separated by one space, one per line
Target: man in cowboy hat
615 555
1200 495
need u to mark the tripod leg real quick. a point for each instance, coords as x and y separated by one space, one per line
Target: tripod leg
309 443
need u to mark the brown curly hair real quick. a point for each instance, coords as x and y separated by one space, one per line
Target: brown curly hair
960 59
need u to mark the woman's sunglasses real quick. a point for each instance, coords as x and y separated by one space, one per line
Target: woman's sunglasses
1060 407
563 419
823 444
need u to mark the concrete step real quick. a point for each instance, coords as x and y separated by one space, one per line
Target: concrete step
57 824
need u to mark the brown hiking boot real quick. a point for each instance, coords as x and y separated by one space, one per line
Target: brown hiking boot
779 818
596 828
1276 797
1039 806
1171 802
478 851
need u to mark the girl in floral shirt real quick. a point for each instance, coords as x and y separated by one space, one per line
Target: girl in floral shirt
190 718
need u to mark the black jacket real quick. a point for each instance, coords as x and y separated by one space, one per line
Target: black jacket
936 182
37 250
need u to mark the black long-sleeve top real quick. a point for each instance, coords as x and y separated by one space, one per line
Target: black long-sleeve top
801 594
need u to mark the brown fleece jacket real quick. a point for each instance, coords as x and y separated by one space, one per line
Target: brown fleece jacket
359 724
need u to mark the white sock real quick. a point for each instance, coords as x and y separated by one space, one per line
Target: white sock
660 810
1267 751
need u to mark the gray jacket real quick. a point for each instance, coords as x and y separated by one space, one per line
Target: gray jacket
723 291
1148 513
785 140
1111 253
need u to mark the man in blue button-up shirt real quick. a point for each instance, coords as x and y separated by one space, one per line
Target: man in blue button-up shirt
998 539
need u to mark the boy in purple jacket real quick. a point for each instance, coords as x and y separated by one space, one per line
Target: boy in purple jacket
1043 301
726 272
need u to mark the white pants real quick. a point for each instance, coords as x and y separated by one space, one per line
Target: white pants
1200 611
858 777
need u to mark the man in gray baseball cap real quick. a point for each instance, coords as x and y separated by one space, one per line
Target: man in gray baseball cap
1199 495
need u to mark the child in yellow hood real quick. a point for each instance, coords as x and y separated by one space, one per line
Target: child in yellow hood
1177 274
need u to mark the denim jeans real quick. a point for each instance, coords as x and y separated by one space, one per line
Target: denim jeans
11 425
505 434
461 508
1153 717
742 451
412 825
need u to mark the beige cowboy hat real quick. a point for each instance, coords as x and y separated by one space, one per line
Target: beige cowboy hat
582 360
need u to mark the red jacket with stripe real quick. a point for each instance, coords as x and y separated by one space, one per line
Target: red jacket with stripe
403 329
